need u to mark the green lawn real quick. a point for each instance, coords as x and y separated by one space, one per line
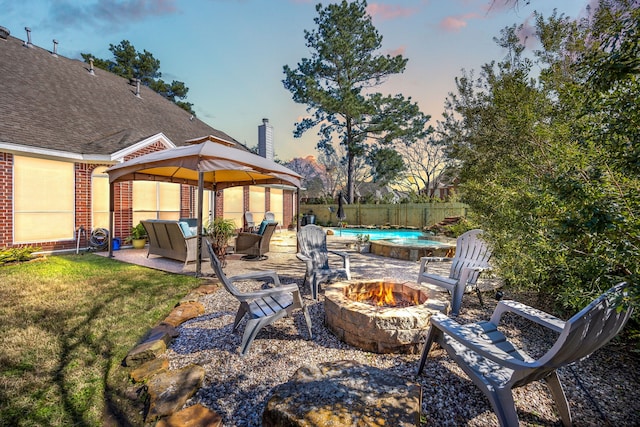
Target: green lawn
66 324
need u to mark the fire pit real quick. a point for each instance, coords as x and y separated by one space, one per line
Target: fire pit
381 316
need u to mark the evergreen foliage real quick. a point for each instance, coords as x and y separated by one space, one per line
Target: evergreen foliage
336 83
127 62
548 149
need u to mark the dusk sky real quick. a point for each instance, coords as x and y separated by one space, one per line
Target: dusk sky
230 53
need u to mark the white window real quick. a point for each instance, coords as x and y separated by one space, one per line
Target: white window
256 203
277 204
155 200
233 205
99 198
44 200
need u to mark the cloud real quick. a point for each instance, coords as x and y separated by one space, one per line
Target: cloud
134 10
451 23
107 13
398 51
527 34
455 23
387 12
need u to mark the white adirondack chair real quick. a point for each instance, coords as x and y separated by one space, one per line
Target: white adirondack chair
497 366
312 246
471 258
249 223
263 306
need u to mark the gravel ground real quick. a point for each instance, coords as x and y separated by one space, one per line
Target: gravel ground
602 390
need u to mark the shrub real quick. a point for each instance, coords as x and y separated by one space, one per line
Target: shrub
8 255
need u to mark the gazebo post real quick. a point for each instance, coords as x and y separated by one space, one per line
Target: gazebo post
297 217
199 224
111 213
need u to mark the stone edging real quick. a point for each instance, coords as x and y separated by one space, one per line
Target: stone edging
167 391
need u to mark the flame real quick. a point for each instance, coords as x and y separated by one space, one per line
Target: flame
380 295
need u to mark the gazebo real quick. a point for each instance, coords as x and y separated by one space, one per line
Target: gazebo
208 164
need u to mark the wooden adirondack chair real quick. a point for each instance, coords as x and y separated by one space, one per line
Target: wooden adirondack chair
471 258
312 246
263 306
497 366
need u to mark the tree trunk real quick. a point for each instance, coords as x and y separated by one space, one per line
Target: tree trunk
351 185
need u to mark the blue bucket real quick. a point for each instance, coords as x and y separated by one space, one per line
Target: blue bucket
116 244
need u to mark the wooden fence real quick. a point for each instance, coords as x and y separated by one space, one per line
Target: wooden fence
405 215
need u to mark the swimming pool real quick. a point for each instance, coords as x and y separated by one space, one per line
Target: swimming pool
375 234
402 244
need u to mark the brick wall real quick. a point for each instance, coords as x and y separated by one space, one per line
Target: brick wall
6 199
123 196
82 171
219 205
267 200
188 196
288 198
123 203
246 198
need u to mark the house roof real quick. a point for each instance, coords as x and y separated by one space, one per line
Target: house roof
55 103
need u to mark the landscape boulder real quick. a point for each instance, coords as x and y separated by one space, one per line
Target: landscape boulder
344 393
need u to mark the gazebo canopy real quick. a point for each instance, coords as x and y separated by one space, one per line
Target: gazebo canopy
208 163
220 165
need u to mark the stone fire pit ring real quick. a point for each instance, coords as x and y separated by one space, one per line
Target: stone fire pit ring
381 329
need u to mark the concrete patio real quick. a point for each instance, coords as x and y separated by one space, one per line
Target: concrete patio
282 259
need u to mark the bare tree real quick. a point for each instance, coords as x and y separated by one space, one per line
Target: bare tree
336 172
425 163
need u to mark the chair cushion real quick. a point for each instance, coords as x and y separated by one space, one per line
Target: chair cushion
186 230
263 226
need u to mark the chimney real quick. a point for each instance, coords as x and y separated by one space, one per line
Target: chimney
91 67
55 48
28 43
4 33
265 139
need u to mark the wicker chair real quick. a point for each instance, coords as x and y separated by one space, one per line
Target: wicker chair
255 245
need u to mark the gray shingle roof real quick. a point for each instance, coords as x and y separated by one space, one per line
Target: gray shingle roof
55 103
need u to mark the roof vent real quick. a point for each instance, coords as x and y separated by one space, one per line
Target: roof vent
91 67
4 33
28 43
138 88
55 48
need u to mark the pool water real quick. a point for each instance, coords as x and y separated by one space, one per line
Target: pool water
378 234
397 237
416 242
